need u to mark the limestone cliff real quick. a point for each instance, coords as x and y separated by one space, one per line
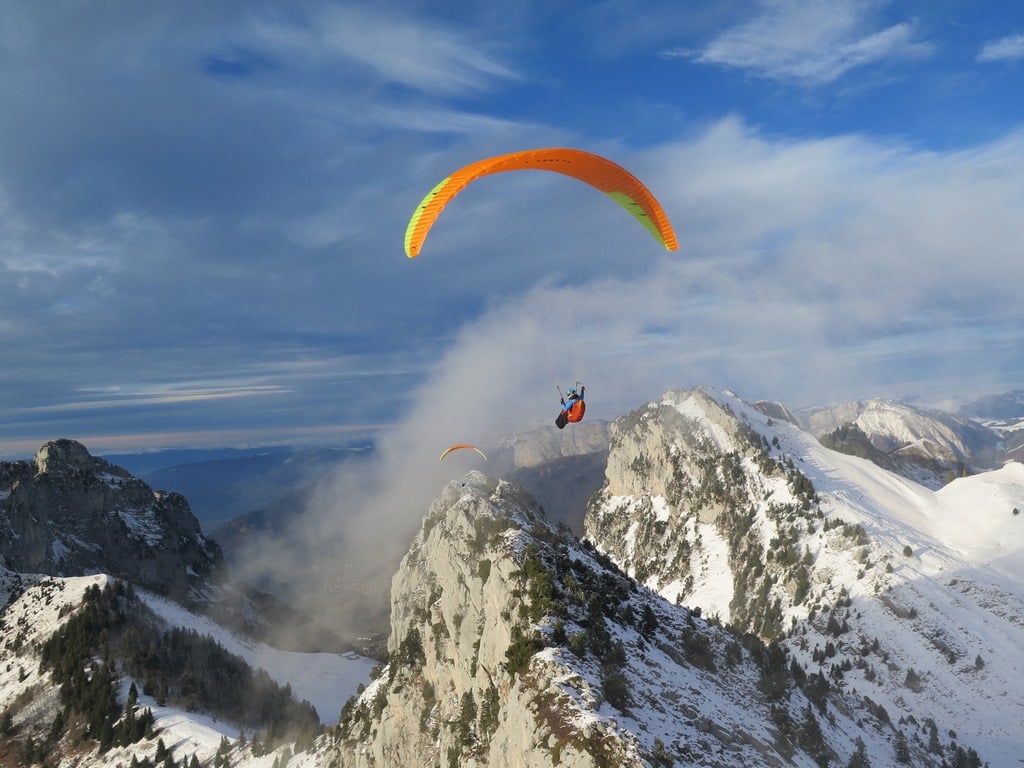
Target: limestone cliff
679 511
461 687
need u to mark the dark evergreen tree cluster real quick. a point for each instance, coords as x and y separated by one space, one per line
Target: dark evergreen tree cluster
179 666
197 672
78 656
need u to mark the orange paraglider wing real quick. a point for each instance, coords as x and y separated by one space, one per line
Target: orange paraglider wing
458 447
599 172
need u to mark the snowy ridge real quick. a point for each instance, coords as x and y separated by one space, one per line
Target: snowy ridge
924 444
934 634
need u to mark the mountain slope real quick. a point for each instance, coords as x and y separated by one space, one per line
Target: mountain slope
926 445
513 644
40 708
713 503
1003 414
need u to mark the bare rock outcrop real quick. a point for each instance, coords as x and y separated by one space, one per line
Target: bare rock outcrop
68 513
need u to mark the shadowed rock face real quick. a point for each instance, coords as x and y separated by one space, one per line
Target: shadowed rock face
67 513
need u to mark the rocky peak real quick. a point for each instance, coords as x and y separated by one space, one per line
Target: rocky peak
60 458
684 479
67 513
647 444
464 684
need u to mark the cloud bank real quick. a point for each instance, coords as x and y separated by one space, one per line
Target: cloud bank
813 42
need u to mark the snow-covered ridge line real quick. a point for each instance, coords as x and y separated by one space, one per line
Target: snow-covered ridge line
899 581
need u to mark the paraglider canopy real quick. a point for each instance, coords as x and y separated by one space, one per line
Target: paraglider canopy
599 172
461 446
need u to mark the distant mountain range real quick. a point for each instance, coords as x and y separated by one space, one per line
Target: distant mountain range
222 483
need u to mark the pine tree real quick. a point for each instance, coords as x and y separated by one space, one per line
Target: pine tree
467 718
29 751
912 680
812 741
56 728
660 756
648 622
902 750
859 759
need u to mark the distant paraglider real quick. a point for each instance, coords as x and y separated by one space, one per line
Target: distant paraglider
599 172
461 446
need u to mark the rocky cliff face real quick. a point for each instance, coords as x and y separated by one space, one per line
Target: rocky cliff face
451 694
539 446
67 512
694 505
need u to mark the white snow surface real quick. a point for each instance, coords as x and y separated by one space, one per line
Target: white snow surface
964 578
143 525
326 680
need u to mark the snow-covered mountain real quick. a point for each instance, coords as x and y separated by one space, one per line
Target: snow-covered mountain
515 645
1004 414
926 445
744 596
102 670
907 596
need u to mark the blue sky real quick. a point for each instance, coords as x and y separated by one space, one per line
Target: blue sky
202 209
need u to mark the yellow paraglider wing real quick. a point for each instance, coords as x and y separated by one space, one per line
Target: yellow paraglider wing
458 447
599 172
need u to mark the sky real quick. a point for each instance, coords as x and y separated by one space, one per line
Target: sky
203 208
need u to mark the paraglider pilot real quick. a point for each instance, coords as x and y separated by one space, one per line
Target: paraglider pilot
573 406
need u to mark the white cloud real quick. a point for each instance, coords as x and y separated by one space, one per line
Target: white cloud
1008 48
413 52
812 41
